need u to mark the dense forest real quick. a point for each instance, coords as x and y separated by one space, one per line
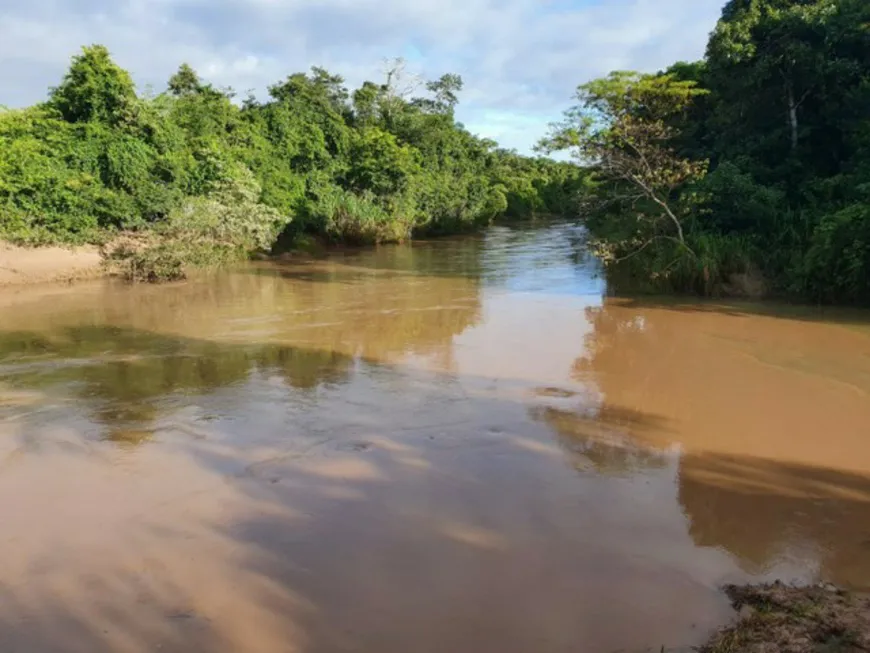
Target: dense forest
193 175
747 171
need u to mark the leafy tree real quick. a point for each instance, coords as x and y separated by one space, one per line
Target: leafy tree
94 89
185 82
621 128
778 108
372 165
445 94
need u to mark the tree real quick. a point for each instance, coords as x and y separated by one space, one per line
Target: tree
621 127
185 81
94 89
779 109
320 87
446 94
365 103
767 59
372 166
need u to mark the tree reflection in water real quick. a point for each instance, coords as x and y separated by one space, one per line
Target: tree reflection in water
758 475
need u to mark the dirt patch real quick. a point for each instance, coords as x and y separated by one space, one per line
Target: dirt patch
778 618
23 265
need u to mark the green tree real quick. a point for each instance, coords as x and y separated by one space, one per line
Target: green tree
200 178
185 81
621 127
778 108
95 89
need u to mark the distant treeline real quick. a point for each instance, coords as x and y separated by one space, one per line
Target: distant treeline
380 163
751 164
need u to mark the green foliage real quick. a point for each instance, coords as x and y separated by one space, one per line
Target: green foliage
379 164
622 128
204 179
223 226
735 203
837 265
779 109
185 82
50 180
94 89
358 219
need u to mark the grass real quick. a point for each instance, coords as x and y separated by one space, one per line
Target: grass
778 618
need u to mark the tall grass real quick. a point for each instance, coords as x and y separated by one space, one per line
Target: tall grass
359 219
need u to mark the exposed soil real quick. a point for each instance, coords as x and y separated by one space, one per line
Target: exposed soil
25 265
778 618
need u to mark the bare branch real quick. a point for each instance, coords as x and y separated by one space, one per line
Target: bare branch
637 251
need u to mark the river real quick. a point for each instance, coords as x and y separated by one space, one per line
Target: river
451 446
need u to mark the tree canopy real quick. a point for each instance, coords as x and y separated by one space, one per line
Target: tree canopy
379 163
760 151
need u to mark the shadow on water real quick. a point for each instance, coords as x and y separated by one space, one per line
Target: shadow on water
851 317
761 511
770 419
765 514
453 257
600 440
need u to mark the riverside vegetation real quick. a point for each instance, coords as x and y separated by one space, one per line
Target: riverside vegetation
746 172
191 177
753 163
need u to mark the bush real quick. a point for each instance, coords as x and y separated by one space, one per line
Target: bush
155 263
735 202
837 265
358 219
227 225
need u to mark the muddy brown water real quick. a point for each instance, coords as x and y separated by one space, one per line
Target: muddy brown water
452 446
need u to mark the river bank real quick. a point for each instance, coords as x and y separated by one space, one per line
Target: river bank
46 264
28 265
776 618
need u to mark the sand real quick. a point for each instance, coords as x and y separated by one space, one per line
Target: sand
26 265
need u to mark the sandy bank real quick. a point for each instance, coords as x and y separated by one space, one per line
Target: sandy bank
24 265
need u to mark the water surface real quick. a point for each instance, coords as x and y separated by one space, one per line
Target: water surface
451 446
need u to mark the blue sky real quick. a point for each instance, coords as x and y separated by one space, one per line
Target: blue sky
521 59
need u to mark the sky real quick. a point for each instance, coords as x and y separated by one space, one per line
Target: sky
521 60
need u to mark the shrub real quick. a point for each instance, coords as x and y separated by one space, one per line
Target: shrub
358 218
227 225
837 265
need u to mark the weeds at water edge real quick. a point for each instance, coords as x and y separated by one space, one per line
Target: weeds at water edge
778 618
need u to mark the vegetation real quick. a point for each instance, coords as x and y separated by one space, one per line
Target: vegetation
753 163
778 617
196 177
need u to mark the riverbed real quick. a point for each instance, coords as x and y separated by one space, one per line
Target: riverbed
461 445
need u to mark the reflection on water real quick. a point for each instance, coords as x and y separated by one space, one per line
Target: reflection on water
772 413
455 445
763 512
128 377
598 439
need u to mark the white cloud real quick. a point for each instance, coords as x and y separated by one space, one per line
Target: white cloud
521 59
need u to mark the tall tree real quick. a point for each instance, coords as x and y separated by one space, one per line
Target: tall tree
621 127
767 62
95 89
